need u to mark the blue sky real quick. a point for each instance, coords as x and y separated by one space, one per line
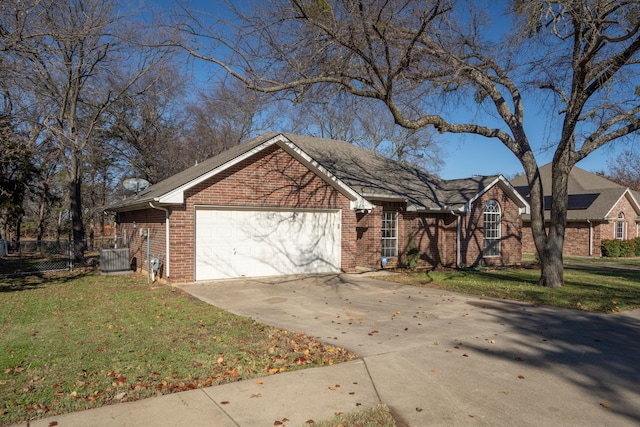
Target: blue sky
466 155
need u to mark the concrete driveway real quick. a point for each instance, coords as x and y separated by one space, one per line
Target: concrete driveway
440 358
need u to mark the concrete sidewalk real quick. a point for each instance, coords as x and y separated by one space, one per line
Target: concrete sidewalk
291 398
435 358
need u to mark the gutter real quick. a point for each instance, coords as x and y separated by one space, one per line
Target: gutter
167 257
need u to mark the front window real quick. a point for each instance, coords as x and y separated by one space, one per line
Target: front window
620 227
491 229
389 234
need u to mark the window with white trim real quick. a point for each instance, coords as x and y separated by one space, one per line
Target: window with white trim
621 227
389 234
492 234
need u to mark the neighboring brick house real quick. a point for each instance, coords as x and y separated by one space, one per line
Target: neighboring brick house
289 204
599 209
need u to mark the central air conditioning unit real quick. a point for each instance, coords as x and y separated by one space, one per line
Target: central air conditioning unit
115 261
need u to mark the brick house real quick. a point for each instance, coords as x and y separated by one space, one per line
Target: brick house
599 209
289 204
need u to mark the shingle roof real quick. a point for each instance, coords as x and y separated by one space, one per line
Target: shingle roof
181 178
372 176
377 177
591 196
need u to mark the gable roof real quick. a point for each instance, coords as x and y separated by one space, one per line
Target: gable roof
591 196
359 174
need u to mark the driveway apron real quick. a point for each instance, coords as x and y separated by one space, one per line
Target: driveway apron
441 358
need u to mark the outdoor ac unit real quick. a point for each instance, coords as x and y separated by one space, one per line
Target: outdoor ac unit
115 261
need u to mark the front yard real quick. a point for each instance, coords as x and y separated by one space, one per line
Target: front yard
82 340
77 341
591 284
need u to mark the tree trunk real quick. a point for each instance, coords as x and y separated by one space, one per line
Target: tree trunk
75 195
548 244
42 213
551 265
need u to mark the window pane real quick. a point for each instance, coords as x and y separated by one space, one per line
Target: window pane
492 234
390 234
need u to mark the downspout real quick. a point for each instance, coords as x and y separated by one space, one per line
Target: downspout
590 237
458 233
166 213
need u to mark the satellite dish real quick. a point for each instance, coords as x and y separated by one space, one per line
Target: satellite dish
135 184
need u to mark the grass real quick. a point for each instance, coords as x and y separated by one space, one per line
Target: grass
591 284
79 341
378 416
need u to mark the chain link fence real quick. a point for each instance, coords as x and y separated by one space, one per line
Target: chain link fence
41 256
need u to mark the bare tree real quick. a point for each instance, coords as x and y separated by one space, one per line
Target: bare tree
625 169
224 115
366 124
81 59
146 131
430 61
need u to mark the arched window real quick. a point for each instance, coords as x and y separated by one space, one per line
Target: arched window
621 227
492 233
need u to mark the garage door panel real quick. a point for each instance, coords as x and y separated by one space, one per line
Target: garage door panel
247 243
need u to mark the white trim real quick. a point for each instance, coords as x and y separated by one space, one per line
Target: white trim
264 208
508 188
358 202
395 221
634 204
177 195
493 214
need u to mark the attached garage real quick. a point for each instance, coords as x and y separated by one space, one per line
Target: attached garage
232 242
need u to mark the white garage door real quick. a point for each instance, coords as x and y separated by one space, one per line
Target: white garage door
252 243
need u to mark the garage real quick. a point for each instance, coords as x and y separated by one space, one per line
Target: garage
233 242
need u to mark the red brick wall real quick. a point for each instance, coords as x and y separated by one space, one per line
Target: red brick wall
151 221
511 231
369 238
271 178
623 205
436 235
576 241
432 233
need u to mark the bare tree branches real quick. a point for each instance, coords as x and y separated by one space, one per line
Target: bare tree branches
80 60
425 61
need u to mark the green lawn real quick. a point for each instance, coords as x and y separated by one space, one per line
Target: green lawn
592 284
78 341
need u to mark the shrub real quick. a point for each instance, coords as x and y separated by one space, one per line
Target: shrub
627 248
413 253
619 248
637 244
